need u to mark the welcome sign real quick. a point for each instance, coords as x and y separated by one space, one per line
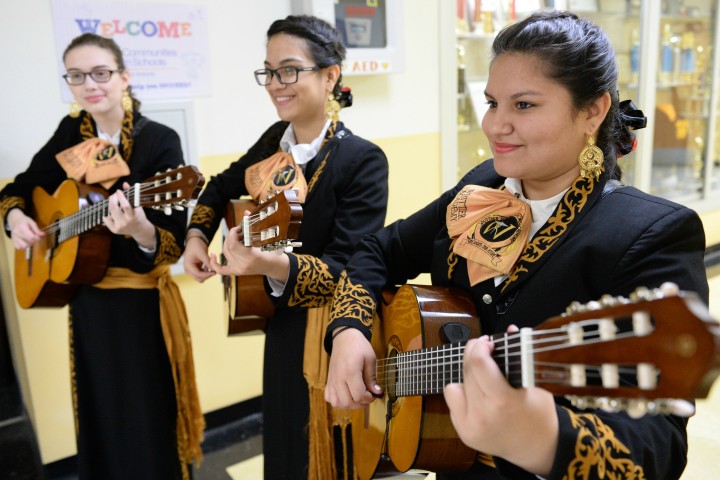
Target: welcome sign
164 46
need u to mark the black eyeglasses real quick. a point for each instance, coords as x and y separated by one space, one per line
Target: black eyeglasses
284 75
99 76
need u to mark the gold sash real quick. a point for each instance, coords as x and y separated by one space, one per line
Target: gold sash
173 318
321 462
490 228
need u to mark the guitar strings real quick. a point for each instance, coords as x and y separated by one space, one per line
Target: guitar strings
86 218
413 365
263 234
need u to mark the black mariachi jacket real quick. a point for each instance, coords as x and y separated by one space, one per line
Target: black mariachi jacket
156 148
594 243
346 199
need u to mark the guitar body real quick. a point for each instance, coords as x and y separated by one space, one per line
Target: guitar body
419 431
47 272
76 247
247 306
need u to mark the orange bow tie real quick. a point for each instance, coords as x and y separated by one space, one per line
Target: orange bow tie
490 228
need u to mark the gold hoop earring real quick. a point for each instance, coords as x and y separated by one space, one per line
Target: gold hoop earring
75 109
333 108
591 160
127 103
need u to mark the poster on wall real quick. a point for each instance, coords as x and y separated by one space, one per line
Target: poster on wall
165 46
372 31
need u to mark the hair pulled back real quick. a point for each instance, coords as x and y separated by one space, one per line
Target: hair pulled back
323 41
577 54
91 39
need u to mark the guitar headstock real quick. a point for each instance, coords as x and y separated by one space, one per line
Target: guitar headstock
629 353
166 190
275 223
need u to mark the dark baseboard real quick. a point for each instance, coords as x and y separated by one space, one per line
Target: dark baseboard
230 424
712 256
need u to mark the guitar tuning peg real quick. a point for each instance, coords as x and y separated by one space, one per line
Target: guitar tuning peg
680 408
179 208
670 289
167 210
641 293
637 408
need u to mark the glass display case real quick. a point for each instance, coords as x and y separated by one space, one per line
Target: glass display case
666 54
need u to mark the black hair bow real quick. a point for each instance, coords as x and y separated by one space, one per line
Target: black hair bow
632 117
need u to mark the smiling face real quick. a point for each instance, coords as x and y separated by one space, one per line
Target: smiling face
535 132
98 99
302 103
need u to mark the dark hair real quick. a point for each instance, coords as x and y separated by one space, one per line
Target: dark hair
323 41
577 54
91 39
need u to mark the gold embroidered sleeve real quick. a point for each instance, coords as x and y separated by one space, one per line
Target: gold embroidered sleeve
352 302
9 203
168 248
315 284
202 215
598 454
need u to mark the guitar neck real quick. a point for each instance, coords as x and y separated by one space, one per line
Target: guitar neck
85 219
426 371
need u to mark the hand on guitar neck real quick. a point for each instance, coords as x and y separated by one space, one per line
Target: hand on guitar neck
243 260
485 407
123 219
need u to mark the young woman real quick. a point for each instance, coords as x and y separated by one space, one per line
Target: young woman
544 223
136 407
342 184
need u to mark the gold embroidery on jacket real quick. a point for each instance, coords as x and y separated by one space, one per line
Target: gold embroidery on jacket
9 203
328 135
598 454
202 215
353 302
315 284
569 207
452 259
317 173
168 249
126 139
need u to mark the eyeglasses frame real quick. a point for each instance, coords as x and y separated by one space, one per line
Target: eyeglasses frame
86 74
273 73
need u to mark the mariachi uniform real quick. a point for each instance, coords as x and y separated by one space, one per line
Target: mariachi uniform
123 381
346 198
600 239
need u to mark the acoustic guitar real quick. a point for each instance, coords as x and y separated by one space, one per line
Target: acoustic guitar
272 225
76 246
633 354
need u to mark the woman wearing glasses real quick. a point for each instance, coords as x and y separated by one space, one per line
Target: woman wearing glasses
128 380
342 184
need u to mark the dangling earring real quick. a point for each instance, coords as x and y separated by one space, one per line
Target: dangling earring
333 108
127 103
75 109
591 160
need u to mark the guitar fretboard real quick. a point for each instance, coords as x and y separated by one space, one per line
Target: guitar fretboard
85 219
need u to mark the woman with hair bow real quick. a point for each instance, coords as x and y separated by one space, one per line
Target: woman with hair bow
544 223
